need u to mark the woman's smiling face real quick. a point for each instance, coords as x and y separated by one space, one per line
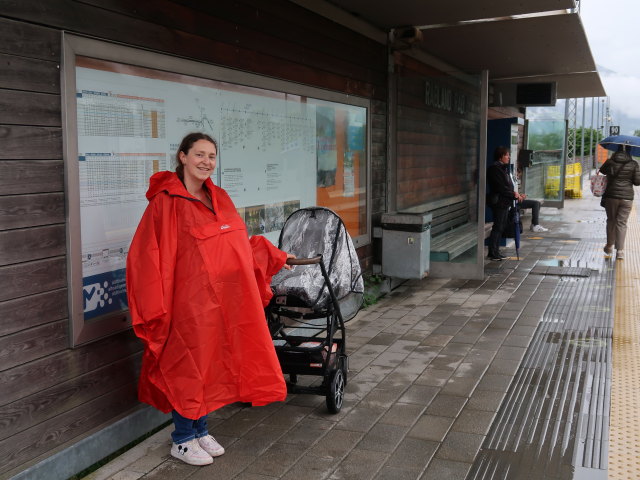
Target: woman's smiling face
199 162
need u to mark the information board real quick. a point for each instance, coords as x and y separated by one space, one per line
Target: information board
276 153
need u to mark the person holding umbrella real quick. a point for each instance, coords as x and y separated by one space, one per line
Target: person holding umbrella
501 185
622 174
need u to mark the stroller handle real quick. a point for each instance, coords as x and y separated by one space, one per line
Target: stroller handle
304 261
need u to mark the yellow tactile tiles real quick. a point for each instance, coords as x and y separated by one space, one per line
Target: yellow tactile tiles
624 439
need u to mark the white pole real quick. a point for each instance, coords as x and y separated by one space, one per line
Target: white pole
592 160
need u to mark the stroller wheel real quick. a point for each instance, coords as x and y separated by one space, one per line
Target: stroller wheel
335 395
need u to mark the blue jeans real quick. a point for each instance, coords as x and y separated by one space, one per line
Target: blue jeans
187 429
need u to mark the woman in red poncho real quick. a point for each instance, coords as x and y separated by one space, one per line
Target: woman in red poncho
197 287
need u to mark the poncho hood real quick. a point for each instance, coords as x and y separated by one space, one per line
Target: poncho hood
170 183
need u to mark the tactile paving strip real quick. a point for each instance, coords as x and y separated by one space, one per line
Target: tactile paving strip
554 422
624 441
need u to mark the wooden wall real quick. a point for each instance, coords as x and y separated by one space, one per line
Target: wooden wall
51 394
437 150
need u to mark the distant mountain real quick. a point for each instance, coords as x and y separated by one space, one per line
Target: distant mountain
605 70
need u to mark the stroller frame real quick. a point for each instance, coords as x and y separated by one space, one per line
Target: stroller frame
311 354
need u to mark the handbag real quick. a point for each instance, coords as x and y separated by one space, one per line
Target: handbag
598 184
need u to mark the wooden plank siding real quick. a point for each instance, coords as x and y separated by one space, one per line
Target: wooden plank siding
436 149
52 394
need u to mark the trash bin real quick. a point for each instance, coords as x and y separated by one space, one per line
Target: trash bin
406 244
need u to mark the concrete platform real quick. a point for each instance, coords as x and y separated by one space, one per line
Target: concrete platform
435 371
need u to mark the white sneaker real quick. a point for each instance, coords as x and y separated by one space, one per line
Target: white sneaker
190 452
619 255
211 446
538 229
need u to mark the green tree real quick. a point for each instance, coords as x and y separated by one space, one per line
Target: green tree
545 141
591 139
637 132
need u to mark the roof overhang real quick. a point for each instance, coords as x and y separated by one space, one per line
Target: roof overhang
549 46
530 49
398 13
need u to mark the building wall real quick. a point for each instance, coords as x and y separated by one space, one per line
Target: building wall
437 148
53 395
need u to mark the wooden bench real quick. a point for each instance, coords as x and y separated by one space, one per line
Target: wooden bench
451 232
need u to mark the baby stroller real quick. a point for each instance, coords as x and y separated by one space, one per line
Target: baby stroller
312 301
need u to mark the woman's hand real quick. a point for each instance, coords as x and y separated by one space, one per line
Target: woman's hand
289 255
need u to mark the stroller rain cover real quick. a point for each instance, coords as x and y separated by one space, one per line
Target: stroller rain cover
313 231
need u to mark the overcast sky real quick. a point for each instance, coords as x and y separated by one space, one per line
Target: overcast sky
611 27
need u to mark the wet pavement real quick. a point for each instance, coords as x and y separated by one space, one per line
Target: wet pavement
505 377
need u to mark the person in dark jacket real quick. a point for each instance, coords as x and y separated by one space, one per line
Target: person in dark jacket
622 174
501 184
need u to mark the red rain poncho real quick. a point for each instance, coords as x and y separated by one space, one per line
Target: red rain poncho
197 287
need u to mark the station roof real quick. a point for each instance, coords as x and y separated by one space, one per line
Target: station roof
525 41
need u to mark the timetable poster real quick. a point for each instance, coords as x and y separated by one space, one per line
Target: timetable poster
130 123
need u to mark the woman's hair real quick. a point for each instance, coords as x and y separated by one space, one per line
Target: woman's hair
499 152
185 146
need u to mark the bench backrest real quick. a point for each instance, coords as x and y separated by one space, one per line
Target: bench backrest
448 213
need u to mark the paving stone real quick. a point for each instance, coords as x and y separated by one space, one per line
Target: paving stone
244 420
383 397
503 367
487 400
446 405
511 353
174 469
469 338
503 323
415 452
447 362
382 438
434 377
397 473
402 414
473 421
361 418
311 467
461 386
392 359
514 340
383 338
447 330
498 383
128 475
431 427
277 459
307 432
258 439
419 394
460 447
522 330
288 416
225 467
454 348
252 476
456 320
437 340
358 465
445 469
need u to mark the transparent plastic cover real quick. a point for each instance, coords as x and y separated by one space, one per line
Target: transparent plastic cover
319 231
